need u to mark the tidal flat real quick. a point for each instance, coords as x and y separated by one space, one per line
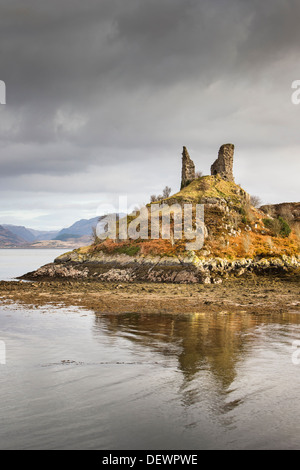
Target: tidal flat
257 295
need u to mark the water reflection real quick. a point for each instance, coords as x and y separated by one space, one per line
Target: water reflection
82 380
208 349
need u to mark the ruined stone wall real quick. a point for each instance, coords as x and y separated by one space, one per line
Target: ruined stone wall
223 166
188 169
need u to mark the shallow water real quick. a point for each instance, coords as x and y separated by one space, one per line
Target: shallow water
77 379
14 263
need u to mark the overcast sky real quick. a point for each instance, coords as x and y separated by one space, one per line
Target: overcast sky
102 96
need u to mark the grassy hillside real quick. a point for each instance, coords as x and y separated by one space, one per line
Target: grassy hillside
209 187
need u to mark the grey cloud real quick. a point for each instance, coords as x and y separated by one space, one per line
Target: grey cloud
102 93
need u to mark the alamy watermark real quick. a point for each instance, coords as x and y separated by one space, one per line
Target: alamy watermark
296 353
2 92
155 221
296 95
2 353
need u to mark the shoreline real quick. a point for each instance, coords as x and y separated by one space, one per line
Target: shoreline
256 295
189 269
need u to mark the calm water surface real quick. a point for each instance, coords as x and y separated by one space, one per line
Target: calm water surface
78 379
14 263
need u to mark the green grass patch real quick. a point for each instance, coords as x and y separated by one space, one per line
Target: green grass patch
279 227
128 250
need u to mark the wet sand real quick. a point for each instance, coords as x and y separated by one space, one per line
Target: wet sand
257 295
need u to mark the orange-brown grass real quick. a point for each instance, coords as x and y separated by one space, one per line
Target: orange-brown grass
251 244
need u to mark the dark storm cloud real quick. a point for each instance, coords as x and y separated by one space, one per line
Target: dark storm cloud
102 87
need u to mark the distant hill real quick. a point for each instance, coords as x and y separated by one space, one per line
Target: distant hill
29 234
78 229
17 235
8 239
21 232
43 234
67 236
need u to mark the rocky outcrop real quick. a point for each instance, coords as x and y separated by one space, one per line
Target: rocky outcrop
290 211
188 169
223 166
178 269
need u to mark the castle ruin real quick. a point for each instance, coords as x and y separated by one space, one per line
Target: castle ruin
223 166
188 169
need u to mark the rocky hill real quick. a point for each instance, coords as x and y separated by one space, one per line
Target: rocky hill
239 239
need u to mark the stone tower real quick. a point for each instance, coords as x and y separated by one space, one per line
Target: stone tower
188 169
223 166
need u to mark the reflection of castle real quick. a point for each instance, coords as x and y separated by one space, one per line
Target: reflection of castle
206 349
213 342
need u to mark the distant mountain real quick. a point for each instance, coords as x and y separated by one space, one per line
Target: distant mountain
29 234
43 234
8 239
21 232
79 229
82 228
80 233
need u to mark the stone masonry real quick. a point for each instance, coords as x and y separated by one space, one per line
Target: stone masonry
188 169
223 166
